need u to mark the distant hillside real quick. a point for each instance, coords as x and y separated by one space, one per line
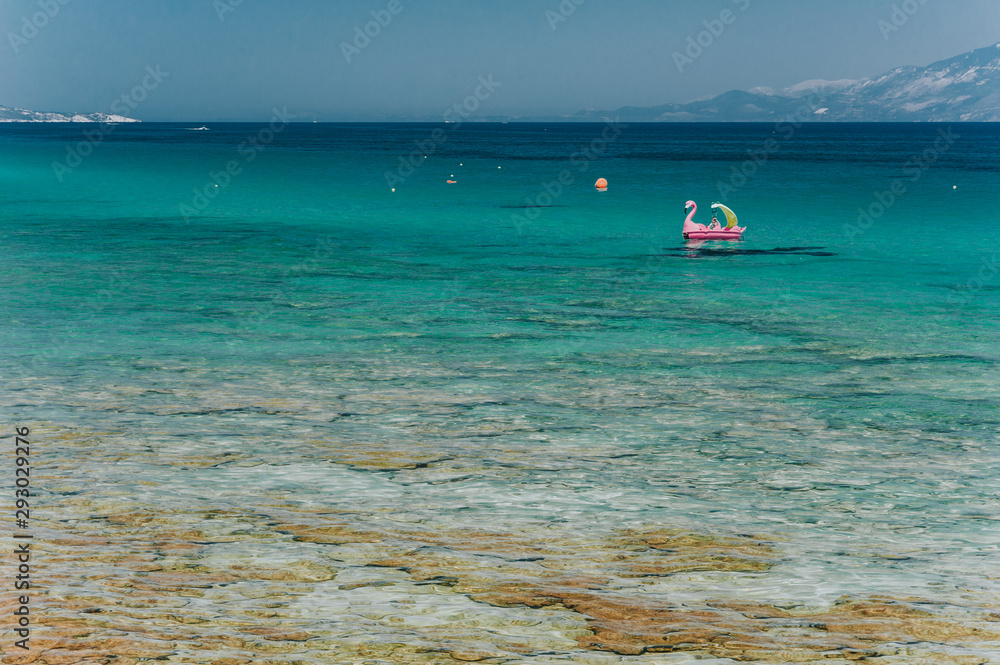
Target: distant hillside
964 88
22 115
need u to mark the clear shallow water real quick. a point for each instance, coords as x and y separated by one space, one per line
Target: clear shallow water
312 349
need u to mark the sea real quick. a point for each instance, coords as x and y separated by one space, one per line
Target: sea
288 395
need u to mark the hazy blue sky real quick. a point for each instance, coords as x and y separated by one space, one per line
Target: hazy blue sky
265 53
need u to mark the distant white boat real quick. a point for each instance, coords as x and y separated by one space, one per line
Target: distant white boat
197 129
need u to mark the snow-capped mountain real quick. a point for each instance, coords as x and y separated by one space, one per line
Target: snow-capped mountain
962 88
23 115
965 88
806 88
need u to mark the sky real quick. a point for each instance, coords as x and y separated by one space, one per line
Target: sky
237 60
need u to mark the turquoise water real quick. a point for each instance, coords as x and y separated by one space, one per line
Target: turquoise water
442 359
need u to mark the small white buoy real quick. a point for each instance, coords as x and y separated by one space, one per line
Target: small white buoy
393 189
955 187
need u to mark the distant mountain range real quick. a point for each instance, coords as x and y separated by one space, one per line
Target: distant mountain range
22 115
964 88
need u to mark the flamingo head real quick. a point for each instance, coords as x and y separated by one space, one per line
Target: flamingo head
689 206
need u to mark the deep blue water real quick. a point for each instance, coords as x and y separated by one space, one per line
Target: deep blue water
579 366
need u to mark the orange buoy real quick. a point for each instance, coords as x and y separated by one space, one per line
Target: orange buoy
452 182
602 185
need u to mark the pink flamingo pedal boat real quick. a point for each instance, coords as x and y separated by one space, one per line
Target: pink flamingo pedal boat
714 231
